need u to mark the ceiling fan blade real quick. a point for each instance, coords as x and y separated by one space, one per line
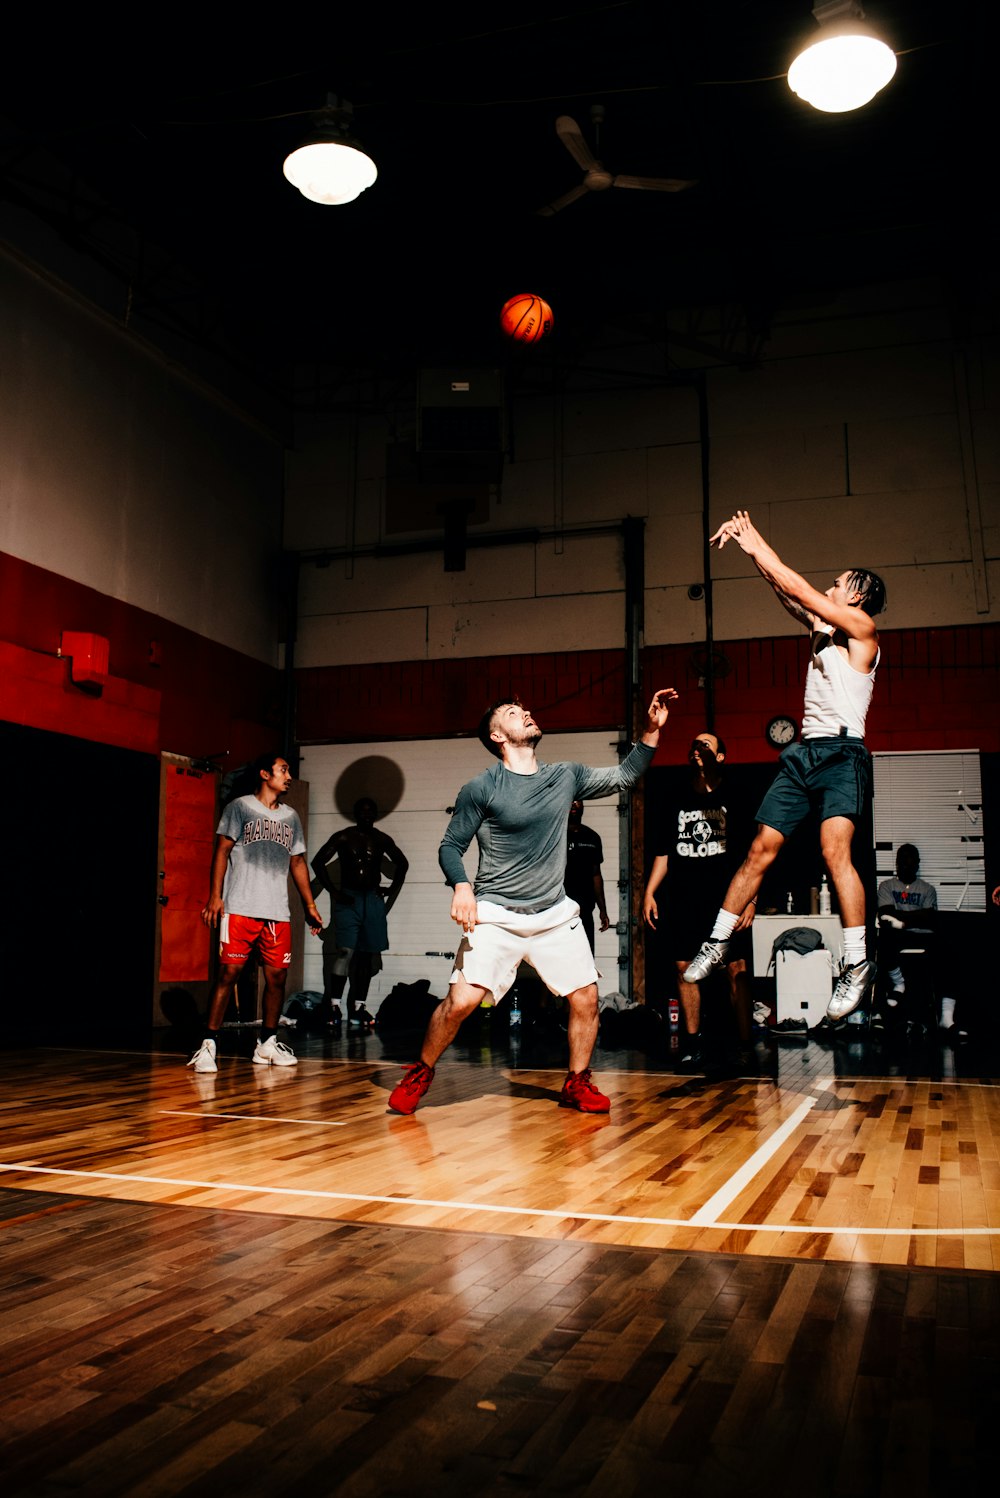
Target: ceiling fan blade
654 184
567 197
571 136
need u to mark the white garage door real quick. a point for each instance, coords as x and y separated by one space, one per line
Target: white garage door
427 776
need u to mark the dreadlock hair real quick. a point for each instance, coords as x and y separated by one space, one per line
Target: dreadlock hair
872 590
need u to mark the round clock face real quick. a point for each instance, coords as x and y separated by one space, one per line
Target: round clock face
781 731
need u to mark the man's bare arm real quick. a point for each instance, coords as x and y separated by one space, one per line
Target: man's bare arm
795 609
220 862
300 878
400 868
786 582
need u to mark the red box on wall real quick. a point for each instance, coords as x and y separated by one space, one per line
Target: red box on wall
89 654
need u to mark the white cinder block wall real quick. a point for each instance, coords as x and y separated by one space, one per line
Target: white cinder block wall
867 436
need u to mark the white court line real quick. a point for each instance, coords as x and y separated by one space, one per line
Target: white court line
319 1123
561 1215
707 1214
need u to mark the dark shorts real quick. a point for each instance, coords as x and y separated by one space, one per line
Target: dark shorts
832 777
359 921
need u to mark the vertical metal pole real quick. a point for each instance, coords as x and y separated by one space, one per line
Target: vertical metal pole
290 609
632 976
706 531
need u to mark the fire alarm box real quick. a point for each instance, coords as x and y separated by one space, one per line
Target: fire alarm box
89 655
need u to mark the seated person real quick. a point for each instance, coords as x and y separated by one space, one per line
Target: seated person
907 911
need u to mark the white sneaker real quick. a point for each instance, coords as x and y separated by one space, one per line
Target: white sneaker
274 1052
204 1057
710 954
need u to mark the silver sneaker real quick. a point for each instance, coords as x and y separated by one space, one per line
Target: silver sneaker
852 985
204 1057
274 1052
710 955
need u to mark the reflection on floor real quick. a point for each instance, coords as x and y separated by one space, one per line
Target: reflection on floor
261 1281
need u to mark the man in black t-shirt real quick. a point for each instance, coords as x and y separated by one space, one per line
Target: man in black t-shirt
584 883
696 853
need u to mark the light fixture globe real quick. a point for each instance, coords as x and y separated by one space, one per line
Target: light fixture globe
330 167
329 171
843 70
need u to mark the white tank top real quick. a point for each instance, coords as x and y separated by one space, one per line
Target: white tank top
837 697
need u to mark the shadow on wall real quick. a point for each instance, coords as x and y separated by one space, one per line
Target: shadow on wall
374 776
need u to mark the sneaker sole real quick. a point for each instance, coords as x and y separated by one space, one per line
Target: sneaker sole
266 1061
569 1103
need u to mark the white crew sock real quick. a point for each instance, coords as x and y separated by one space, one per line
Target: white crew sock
854 945
725 924
896 979
947 1013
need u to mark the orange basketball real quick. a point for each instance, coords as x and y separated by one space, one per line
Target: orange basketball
526 318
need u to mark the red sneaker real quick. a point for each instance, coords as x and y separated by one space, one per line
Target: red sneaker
416 1080
580 1092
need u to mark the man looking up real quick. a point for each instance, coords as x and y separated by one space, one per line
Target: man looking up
518 812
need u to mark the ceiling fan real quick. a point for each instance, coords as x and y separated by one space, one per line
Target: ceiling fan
596 176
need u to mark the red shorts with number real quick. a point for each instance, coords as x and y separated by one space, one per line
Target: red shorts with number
239 934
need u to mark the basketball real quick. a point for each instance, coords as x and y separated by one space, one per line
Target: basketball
526 318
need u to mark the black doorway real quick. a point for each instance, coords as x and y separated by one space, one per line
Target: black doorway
80 876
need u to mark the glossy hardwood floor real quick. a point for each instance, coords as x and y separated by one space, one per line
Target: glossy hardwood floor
767 1278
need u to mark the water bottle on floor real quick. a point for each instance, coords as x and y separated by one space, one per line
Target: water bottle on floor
515 1010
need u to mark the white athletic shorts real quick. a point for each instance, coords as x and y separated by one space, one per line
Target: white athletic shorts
552 940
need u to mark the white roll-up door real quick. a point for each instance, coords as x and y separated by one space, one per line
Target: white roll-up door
934 801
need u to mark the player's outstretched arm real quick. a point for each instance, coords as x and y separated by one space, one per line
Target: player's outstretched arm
789 585
657 714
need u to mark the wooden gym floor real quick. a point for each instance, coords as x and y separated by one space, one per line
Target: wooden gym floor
767 1278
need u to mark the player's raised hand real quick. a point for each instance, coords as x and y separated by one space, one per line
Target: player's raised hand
659 708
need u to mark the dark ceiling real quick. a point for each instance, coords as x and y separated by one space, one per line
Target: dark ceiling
157 142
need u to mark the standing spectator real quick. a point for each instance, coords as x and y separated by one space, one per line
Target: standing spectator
690 872
359 907
584 881
258 844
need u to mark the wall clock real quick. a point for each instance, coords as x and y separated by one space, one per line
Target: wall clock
781 731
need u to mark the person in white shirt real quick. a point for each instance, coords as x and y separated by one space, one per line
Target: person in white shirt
829 772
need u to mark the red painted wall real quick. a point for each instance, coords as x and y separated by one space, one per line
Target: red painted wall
935 689
170 688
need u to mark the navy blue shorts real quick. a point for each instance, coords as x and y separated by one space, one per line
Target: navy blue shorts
832 777
359 921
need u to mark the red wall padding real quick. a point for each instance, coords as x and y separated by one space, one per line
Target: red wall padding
935 689
206 698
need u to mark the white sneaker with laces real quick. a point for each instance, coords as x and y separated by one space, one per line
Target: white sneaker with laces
204 1057
852 985
710 954
274 1052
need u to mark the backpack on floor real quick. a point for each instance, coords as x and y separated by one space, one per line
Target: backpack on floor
407 1006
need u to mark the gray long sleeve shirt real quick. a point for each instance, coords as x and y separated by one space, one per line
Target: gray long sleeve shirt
521 822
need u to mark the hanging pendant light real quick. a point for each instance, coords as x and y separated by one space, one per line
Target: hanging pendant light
330 166
847 65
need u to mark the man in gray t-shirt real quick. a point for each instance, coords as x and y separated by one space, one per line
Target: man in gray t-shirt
258 843
518 910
